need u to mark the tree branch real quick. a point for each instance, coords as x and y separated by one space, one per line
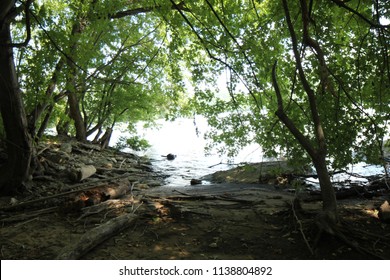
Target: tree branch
203 42
372 24
302 139
28 27
136 11
319 133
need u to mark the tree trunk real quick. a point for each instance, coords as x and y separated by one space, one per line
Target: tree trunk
75 114
73 100
44 124
316 152
327 191
19 144
40 108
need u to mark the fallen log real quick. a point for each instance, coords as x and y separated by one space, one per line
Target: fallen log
96 236
97 195
80 188
142 170
85 172
82 173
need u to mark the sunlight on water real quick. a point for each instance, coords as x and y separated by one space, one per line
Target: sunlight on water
181 139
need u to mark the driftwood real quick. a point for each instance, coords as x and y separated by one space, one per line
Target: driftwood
85 188
97 208
96 236
185 196
82 173
140 170
97 195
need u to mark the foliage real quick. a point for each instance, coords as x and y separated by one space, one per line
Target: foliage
118 54
351 84
142 60
135 143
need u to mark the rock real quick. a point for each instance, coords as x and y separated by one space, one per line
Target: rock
66 147
13 201
270 172
171 156
384 212
196 182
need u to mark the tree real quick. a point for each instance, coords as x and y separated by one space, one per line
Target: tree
327 102
99 54
15 172
91 64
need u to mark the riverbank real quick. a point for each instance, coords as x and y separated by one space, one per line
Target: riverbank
85 203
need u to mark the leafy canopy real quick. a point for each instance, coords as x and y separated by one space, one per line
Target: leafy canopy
245 38
142 60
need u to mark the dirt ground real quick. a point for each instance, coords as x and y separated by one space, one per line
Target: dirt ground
232 222
227 220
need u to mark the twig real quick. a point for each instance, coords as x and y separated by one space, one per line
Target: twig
137 207
214 165
301 229
123 161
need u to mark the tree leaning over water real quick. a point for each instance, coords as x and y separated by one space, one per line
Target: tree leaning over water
308 80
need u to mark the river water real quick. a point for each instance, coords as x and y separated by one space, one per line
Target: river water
185 140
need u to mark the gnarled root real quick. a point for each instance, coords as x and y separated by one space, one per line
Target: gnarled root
315 228
328 223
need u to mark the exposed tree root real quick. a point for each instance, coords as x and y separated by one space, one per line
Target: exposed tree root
296 205
346 234
325 225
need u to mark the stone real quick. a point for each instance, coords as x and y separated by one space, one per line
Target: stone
196 182
171 156
66 147
384 212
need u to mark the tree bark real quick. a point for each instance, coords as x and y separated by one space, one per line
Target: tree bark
16 171
73 100
316 152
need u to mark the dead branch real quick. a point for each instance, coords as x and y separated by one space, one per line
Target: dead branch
96 236
30 202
